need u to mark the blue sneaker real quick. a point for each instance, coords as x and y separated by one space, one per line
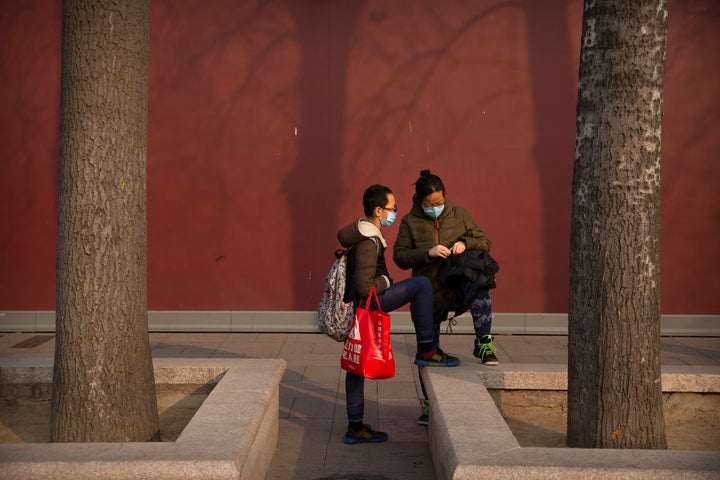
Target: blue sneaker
436 358
365 435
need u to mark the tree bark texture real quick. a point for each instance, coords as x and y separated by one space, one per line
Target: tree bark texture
614 389
103 383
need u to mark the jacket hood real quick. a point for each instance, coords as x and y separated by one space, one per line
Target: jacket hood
417 210
358 231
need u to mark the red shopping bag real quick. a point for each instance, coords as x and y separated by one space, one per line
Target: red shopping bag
367 350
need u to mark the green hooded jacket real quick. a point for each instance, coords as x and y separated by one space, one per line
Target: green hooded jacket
419 233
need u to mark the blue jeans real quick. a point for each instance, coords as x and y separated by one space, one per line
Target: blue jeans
414 289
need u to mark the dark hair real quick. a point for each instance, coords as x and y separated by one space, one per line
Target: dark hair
427 183
375 196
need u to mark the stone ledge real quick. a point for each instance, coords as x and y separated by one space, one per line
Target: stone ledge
517 376
469 439
232 436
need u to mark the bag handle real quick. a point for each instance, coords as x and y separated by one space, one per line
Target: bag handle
372 294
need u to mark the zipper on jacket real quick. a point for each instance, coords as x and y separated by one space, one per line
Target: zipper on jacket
437 231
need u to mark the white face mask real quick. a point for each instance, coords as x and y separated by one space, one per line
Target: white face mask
389 220
434 212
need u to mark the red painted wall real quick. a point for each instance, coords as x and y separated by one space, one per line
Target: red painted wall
267 120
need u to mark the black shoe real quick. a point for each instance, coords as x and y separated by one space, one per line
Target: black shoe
436 358
485 350
424 418
365 435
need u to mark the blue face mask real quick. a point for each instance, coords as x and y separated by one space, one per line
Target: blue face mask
434 212
389 220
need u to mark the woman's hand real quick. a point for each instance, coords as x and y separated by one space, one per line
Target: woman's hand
439 251
458 248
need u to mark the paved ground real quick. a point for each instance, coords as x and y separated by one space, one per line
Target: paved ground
312 405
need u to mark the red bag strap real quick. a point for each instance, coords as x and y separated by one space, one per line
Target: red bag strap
372 294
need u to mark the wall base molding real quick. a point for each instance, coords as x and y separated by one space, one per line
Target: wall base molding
306 322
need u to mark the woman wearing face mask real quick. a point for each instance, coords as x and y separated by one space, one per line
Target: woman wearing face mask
432 231
366 267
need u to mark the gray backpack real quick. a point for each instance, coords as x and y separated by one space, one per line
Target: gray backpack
335 316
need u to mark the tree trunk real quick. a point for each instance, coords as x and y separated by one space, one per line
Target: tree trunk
614 390
103 382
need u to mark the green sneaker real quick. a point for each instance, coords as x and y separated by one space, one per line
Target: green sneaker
424 418
365 435
485 350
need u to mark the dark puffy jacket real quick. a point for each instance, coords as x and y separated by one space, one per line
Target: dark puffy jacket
467 273
419 233
366 260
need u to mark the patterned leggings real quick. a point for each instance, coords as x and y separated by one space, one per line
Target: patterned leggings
481 311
